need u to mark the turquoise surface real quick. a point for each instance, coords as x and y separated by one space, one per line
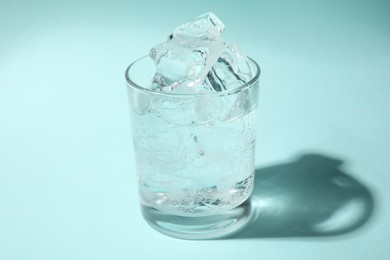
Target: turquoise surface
67 182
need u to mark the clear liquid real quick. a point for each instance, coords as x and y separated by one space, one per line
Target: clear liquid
195 169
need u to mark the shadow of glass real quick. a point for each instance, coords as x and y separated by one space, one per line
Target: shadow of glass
309 197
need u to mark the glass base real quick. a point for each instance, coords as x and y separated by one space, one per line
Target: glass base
223 225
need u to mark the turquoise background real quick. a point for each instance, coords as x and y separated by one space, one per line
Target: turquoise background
67 182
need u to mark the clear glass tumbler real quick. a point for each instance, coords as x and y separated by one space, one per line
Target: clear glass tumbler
194 155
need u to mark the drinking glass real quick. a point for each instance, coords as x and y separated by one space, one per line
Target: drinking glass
194 155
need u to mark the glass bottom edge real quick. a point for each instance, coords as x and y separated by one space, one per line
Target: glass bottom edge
222 225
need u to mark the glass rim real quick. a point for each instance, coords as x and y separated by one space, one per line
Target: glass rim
131 83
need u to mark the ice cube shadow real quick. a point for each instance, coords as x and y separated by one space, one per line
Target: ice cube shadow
309 197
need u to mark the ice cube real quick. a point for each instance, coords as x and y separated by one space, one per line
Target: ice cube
183 65
231 70
206 27
184 60
195 59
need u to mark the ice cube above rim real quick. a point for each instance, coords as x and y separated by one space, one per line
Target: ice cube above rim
195 59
